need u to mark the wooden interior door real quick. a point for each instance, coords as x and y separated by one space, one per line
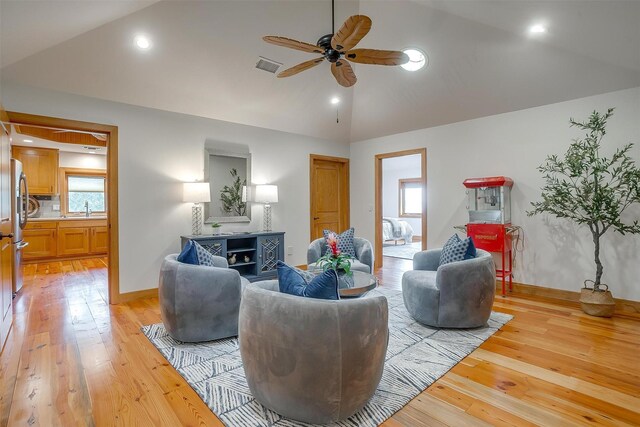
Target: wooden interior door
329 194
6 294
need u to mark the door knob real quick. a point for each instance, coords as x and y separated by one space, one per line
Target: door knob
6 236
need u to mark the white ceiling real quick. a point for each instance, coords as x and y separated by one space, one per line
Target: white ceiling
482 62
30 26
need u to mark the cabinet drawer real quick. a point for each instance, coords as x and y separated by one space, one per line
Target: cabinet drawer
82 223
40 225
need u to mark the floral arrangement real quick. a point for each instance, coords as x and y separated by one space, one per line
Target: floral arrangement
334 259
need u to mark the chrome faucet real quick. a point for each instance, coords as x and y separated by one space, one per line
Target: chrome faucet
87 211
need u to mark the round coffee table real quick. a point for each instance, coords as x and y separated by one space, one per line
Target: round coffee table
356 285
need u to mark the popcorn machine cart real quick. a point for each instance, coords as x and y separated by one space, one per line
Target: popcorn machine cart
489 206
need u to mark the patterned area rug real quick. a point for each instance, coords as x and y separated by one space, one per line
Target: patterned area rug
401 251
416 357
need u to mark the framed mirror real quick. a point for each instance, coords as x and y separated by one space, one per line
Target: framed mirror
227 167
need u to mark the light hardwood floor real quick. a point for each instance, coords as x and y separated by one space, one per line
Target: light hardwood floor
72 360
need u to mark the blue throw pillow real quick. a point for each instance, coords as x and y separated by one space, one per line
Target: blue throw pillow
194 253
457 249
322 286
345 241
189 254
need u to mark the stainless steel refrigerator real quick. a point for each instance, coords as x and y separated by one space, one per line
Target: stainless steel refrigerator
19 201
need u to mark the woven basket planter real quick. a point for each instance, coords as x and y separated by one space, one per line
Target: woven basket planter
597 303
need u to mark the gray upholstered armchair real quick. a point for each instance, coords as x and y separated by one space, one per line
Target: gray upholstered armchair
364 254
455 295
312 360
199 303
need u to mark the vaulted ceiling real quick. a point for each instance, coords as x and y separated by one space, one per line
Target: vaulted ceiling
481 59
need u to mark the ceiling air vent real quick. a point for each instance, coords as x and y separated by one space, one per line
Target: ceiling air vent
267 64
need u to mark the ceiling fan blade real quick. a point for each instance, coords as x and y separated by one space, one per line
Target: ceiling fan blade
293 44
300 67
343 73
351 32
377 57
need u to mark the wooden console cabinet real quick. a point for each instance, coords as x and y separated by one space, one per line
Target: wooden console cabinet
263 249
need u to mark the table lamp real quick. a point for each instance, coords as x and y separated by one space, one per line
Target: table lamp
196 193
266 194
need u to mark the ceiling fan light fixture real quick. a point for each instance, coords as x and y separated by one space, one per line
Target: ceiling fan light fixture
417 59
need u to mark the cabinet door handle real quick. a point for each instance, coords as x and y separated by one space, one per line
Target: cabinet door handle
6 236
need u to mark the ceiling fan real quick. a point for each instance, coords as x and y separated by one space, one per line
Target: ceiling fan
338 49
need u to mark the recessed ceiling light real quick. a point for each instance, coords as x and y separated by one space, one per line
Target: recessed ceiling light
537 29
142 42
335 100
27 140
417 59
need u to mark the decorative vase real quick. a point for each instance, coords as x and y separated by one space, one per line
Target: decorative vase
232 259
247 258
597 303
216 230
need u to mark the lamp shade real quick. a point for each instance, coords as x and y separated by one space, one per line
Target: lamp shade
266 194
196 192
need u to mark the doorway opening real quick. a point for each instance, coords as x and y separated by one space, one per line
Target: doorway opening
400 205
71 208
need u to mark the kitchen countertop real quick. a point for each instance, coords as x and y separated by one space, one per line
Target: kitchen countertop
69 218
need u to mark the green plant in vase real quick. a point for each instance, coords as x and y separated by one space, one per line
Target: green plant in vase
216 227
334 259
231 196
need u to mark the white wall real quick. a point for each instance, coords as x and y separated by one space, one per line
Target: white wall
394 169
159 150
557 254
68 159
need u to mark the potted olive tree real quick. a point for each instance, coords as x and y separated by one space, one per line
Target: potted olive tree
592 190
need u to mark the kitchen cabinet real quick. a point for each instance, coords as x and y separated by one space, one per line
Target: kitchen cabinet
58 239
73 241
40 165
99 241
41 243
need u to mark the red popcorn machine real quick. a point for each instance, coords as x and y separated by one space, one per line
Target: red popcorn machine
489 206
